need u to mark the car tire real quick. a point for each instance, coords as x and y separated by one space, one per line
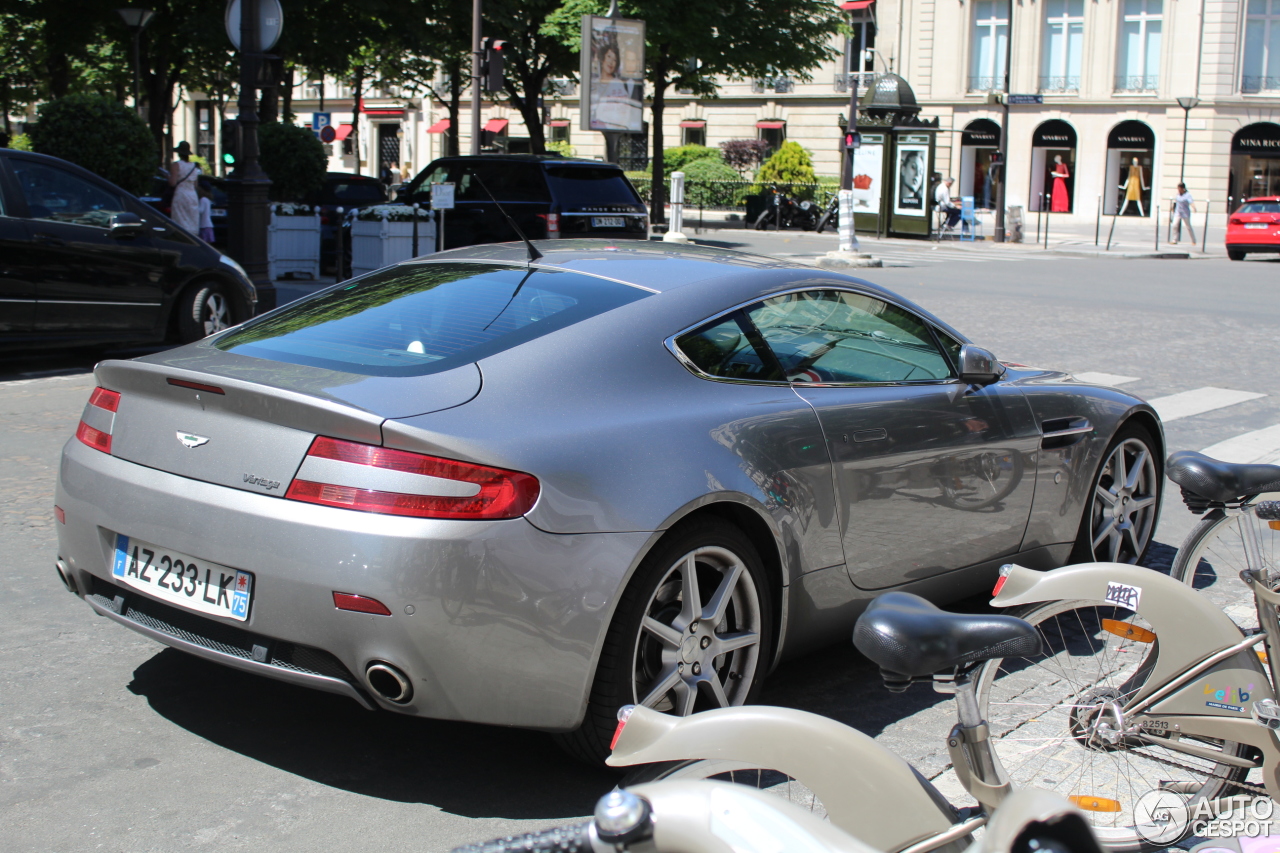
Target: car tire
662 653
1235 256
205 308
1123 535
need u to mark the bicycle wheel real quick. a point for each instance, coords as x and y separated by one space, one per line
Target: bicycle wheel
1212 556
1050 713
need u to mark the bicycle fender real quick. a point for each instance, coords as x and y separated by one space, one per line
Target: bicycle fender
1045 814
1189 627
868 791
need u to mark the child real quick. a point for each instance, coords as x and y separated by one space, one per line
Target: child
206 213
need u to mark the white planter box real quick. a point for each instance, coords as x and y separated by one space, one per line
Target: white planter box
293 245
378 243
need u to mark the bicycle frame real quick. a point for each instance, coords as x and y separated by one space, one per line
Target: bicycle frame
1201 654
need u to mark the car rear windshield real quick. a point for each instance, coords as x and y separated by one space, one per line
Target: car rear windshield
576 187
425 318
1260 207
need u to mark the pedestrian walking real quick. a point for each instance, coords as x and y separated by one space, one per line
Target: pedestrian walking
1183 206
183 177
206 213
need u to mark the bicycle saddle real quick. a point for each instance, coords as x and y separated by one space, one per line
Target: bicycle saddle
1220 481
907 637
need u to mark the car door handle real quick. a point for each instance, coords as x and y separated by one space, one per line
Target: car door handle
476 211
49 240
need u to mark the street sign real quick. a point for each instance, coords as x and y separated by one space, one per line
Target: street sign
1026 99
270 17
442 196
319 121
328 134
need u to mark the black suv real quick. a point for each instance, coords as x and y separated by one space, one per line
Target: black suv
547 196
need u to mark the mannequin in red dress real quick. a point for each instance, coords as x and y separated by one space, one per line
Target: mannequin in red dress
1059 202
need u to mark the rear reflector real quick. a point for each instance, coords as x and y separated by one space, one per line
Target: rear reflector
1129 632
1004 576
59 514
95 438
501 493
196 386
1096 804
104 399
360 604
624 714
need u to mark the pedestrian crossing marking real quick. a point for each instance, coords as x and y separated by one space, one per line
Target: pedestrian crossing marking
1198 401
1259 446
1111 380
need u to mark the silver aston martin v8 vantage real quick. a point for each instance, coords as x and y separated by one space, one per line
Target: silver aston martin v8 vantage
478 487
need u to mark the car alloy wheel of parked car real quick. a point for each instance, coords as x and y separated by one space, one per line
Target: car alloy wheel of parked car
1125 500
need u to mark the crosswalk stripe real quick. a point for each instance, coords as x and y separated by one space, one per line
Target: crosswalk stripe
1199 401
1111 380
1261 445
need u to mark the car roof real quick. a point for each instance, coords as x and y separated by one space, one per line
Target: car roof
527 158
1262 198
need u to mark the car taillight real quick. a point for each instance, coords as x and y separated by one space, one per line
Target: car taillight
1236 221
98 418
369 478
553 224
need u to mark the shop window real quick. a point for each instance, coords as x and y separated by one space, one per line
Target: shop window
1261 70
1138 65
988 46
1053 167
1255 163
1130 156
1063 46
978 144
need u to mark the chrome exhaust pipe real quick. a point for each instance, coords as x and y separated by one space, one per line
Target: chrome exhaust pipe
64 575
388 682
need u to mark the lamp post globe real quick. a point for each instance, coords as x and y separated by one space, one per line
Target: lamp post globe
136 21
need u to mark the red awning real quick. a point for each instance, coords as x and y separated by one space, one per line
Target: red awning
344 130
693 122
855 5
771 125
439 127
496 125
560 122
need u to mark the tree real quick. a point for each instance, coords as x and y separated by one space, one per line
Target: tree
538 51
689 45
100 134
743 155
293 157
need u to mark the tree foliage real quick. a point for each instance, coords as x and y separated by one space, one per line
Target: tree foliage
677 158
743 155
293 158
101 135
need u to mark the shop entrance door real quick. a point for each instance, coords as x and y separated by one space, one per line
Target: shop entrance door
1255 163
979 142
1131 148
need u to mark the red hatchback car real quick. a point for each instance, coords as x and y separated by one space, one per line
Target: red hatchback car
1254 227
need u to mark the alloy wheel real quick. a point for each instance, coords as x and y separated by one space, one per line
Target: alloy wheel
215 313
1124 503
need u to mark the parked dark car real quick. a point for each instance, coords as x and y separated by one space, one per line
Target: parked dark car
82 260
349 192
217 197
547 196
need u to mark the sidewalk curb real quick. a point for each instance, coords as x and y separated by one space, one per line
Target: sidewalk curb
1163 256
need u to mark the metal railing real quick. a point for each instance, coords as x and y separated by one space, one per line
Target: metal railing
986 84
865 80
732 195
1252 85
1140 83
1060 84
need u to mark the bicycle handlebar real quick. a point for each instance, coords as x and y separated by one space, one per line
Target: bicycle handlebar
573 838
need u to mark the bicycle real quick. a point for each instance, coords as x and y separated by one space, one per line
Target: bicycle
770 749
716 817
1149 683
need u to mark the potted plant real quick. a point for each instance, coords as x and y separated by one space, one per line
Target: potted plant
293 240
383 234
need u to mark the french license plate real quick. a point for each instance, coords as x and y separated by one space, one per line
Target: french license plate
608 222
185 581
1255 225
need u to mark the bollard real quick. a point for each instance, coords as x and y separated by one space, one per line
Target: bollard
848 236
1097 227
675 231
339 259
1157 218
1204 232
1112 231
414 248
1047 219
1039 216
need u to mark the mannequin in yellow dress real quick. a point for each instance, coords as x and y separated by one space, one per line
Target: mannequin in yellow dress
1134 186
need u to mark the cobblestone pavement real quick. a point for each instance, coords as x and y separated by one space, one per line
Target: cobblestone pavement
110 742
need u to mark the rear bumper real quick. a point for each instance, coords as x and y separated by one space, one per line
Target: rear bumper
1242 246
494 622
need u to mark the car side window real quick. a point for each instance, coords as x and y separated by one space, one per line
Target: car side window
728 347
842 337
508 181
59 196
951 345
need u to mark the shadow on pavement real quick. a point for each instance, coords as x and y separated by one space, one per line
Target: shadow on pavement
469 770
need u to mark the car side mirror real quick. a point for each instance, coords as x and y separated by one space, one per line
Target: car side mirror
124 225
978 366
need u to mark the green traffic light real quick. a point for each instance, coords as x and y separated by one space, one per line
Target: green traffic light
228 158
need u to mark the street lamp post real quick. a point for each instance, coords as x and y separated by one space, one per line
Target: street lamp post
136 20
1187 104
1001 233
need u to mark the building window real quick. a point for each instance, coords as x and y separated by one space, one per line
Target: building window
989 46
693 133
774 133
1138 66
1261 47
560 130
1063 45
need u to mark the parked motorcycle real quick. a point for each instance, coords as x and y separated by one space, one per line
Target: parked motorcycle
784 211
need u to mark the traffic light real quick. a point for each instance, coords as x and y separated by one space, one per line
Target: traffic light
492 59
852 140
230 143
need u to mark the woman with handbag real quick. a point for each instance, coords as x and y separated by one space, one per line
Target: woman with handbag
183 176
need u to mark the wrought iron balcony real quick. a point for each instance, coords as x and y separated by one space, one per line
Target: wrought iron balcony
865 79
1063 85
986 84
1141 83
1252 85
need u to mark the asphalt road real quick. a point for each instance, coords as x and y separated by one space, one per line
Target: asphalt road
111 742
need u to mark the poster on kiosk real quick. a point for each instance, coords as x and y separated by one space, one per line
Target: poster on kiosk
612 74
